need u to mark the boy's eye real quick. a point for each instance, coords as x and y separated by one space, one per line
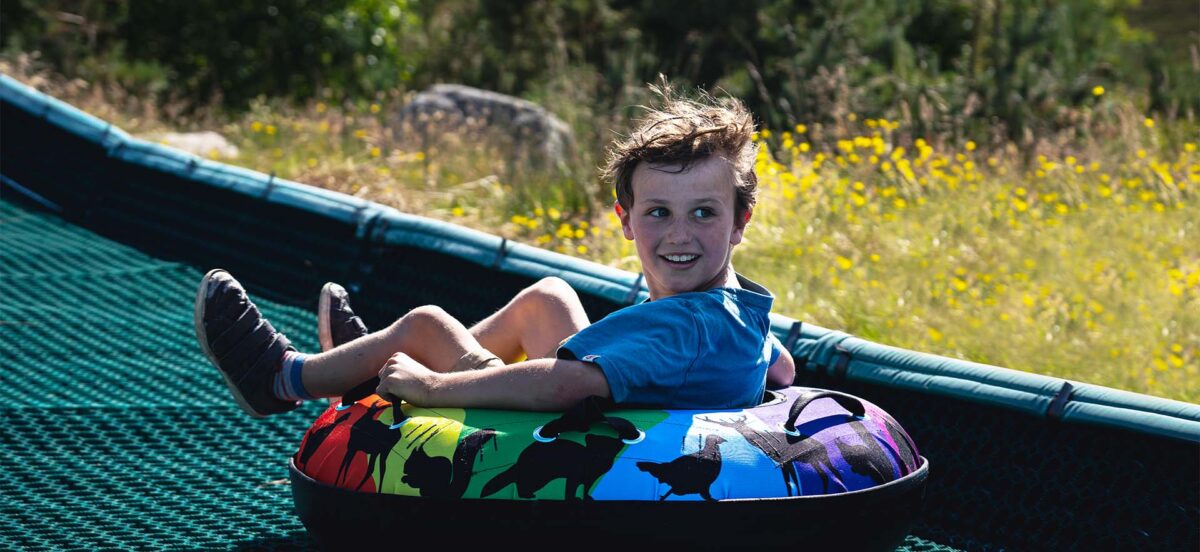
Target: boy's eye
702 212
658 212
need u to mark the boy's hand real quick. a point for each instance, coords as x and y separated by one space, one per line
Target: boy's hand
405 378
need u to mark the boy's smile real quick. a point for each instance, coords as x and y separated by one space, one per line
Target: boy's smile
684 225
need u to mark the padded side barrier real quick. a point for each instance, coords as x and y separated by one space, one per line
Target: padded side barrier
839 356
817 346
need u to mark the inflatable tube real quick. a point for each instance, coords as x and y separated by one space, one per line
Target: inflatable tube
808 464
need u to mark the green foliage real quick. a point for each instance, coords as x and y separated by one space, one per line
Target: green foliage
945 67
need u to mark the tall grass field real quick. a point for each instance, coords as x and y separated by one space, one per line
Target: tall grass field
1078 260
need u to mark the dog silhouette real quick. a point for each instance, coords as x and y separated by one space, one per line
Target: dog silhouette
690 474
541 463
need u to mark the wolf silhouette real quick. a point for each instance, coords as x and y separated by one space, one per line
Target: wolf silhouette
541 463
690 474
439 477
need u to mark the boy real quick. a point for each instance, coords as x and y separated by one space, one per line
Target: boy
686 190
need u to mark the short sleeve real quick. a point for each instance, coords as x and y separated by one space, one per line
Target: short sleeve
777 348
645 351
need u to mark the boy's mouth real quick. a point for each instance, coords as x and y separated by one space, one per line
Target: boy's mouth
681 260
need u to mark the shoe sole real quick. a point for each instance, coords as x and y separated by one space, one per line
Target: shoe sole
324 332
202 336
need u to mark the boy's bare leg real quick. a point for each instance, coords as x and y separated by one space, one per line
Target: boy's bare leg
427 334
533 323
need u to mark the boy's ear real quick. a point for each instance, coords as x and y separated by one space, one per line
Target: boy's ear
739 227
624 216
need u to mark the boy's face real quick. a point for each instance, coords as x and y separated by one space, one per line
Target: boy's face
683 224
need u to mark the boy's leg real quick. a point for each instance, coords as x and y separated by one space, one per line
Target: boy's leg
267 375
427 334
537 319
534 322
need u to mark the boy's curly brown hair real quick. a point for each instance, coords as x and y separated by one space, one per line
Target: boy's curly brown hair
682 131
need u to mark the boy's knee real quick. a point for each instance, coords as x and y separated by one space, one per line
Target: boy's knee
552 289
424 316
431 313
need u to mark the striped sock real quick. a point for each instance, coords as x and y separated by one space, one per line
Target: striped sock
289 386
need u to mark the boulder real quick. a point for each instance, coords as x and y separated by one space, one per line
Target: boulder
471 116
204 144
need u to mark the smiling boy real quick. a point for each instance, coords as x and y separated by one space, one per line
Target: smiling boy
686 190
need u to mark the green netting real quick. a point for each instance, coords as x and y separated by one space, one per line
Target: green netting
116 432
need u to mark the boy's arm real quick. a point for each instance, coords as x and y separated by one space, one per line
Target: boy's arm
782 373
539 384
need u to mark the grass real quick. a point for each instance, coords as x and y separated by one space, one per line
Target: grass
1079 261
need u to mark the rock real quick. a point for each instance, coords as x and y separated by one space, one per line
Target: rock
467 114
204 144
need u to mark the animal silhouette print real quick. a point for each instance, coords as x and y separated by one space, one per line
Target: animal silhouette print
812 452
437 476
541 463
904 443
791 479
866 459
690 474
371 437
314 440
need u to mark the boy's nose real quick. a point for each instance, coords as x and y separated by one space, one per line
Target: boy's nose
677 232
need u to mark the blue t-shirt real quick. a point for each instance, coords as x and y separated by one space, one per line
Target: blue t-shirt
698 350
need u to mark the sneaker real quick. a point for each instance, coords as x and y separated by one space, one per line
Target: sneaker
336 323
243 346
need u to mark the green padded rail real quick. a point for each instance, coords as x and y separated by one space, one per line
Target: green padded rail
385 226
1068 463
